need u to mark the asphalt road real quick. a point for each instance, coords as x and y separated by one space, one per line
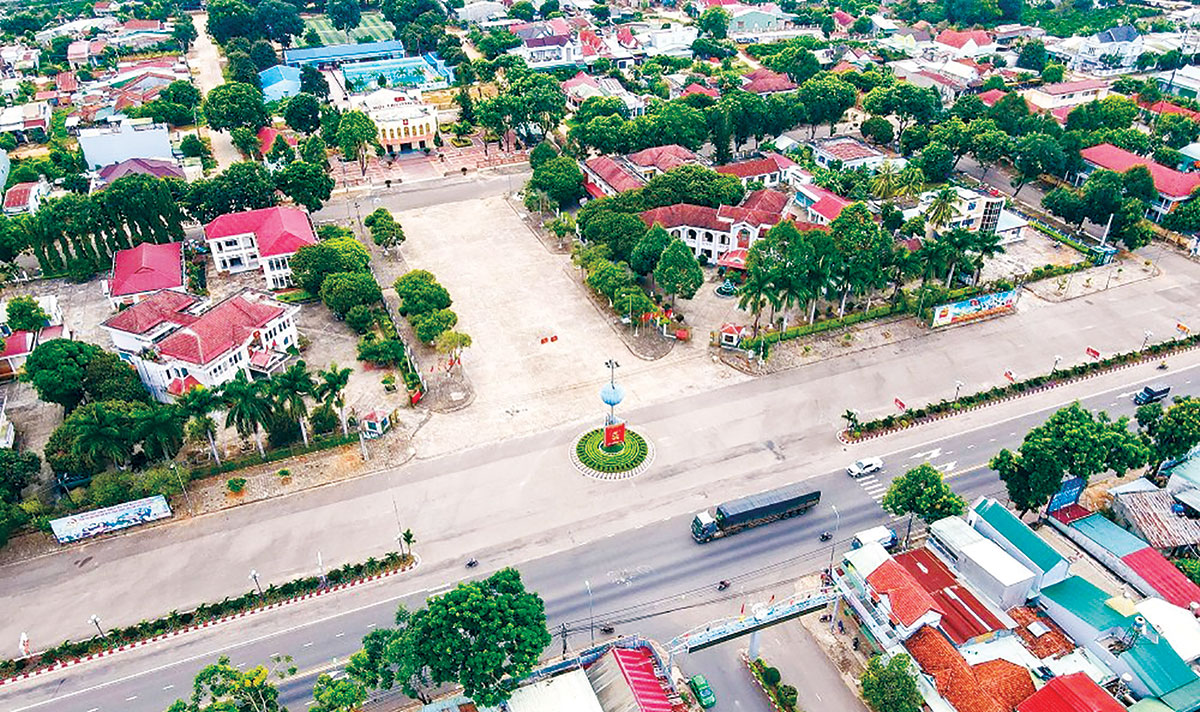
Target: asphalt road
653 580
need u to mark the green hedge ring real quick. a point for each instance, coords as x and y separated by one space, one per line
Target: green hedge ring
628 460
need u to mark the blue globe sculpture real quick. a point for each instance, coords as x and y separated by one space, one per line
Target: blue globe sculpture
612 394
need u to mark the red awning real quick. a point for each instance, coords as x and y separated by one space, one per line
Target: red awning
733 259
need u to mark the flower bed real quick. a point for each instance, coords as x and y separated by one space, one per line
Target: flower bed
591 452
205 614
944 408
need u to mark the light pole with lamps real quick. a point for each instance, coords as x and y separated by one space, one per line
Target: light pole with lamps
186 496
95 620
254 578
1146 339
837 524
591 611
1055 366
957 387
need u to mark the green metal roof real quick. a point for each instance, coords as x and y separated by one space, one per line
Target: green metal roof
1150 704
1165 673
1184 699
1088 602
1010 527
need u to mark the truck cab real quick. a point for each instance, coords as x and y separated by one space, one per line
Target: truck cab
704 527
883 536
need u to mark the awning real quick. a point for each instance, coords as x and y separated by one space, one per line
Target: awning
733 259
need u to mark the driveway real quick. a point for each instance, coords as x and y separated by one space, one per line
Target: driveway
205 62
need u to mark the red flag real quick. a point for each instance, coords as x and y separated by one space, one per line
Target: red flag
1093 352
900 404
743 610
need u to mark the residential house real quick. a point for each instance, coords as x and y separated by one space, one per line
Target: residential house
1007 34
752 20
619 48
849 152
1173 187
279 82
1153 514
547 44
17 60
967 43
763 81
1075 692
609 175
980 562
142 271
155 167
772 169
26 121
177 342
965 616
886 598
1184 82
26 198
1112 51
131 138
820 206
675 40
650 162
1109 627
478 12
404 121
948 681
266 141
711 232
974 211
140 34
1048 97
997 523
260 239
583 86
19 343
74 28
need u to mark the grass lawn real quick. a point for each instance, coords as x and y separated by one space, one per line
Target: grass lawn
372 27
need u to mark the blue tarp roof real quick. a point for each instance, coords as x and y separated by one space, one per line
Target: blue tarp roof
342 51
1109 535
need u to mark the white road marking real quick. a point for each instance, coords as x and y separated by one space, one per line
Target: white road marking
169 687
970 447
948 466
992 440
94 709
370 625
308 644
131 699
339 635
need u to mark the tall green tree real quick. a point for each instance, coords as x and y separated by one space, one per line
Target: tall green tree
235 104
197 406
1074 442
57 368
922 492
1178 430
344 15
305 183
356 133
331 390
290 387
160 430
714 22
222 687
247 407
891 685
678 273
102 435
646 253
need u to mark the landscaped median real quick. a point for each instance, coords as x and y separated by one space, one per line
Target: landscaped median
857 431
73 652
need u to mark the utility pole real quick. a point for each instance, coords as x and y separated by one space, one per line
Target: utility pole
563 633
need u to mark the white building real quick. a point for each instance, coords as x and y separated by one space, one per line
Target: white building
973 211
1112 51
1049 97
265 238
850 153
405 123
176 342
131 138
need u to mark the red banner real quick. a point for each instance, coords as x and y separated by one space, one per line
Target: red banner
1093 352
614 434
1009 375
900 404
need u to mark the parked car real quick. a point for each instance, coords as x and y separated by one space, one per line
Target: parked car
1151 394
703 692
865 466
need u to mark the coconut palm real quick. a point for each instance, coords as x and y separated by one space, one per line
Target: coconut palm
330 390
196 405
909 183
247 407
904 264
886 182
984 246
757 281
408 539
160 430
290 386
942 209
959 243
101 436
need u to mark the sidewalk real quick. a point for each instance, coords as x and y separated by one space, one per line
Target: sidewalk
501 486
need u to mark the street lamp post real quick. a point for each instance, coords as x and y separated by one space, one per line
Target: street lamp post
591 611
254 578
837 524
186 495
95 620
1055 366
1146 339
957 387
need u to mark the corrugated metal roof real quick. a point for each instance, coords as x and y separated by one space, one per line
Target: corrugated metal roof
1150 513
997 562
1158 665
1184 699
954 533
1087 601
1108 535
1177 625
1071 693
963 615
569 692
1167 580
1016 532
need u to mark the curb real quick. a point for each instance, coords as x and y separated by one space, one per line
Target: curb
612 476
62 664
766 693
844 437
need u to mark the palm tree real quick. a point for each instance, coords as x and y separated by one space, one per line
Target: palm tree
886 182
757 281
904 263
984 246
101 436
408 539
909 183
160 429
246 407
196 405
959 242
942 209
330 390
290 386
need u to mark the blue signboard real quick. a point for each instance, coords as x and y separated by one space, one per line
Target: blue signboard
1067 495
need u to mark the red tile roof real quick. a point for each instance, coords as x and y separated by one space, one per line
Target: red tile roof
266 139
995 686
695 88
736 214
1051 644
685 215
848 149
613 174
580 79
142 25
1167 181
1075 692
66 81
637 667
18 196
754 167
907 600
1167 580
156 167
1061 88
958 40
164 307
18 343
1008 683
222 328
766 200
146 268
963 615
279 231
828 204
764 81
843 18
664 158
1162 106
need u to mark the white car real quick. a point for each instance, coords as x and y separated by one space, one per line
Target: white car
865 467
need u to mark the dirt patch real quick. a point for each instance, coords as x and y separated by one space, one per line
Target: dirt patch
825 345
1121 271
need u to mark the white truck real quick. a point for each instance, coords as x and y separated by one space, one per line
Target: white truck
881 535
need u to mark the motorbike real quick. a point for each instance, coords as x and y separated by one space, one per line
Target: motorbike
826 536
606 629
1162 366
722 585
472 563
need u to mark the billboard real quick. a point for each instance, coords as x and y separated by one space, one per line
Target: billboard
110 519
1067 495
978 307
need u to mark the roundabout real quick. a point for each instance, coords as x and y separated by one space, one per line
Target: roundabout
621 461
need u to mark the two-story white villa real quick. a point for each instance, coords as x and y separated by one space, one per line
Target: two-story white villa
178 342
265 238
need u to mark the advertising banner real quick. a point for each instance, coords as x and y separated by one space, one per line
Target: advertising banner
1067 495
110 519
978 307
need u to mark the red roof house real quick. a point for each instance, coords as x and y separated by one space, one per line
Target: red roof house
695 88
662 158
267 136
964 617
155 167
145 269
994 686
959 39
214 333
25 197
1165 577
1075 692
765 81
604 176
1168 181
772 169
163 308
906 600
626 679
249 240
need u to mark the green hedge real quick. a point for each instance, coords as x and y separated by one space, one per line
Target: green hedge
796 332
314 445
297 296
590 452
1060 237
206 612
997 393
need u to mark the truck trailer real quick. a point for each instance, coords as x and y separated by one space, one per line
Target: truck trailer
736 515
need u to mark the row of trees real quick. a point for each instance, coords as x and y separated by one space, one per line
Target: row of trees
426 304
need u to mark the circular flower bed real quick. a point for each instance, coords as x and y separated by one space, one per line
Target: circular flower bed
591 453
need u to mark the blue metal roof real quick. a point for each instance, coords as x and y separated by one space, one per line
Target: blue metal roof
340 52
279 73
1109 535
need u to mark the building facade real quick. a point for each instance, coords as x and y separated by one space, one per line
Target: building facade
262 239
